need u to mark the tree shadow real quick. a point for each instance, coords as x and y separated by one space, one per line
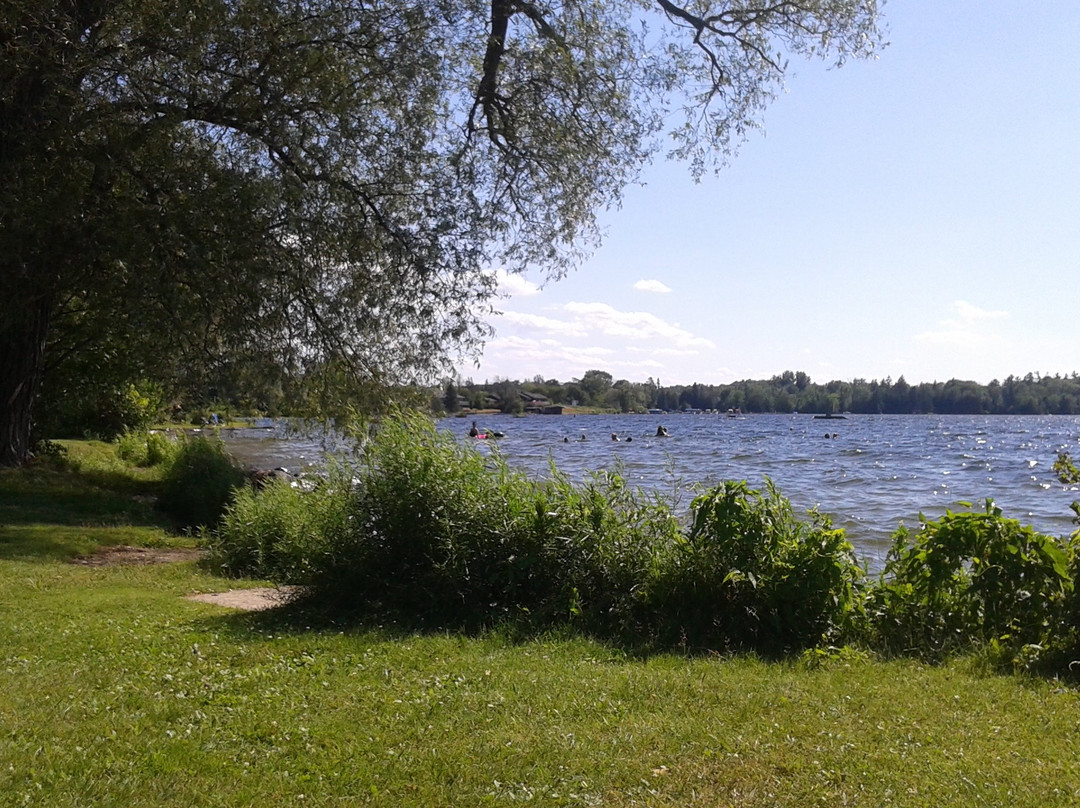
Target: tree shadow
305 616
54 510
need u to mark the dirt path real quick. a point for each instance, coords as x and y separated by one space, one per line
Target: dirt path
122 554
250 600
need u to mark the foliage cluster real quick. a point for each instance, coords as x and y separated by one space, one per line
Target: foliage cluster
749 574
441 532
145 448
1066 469
200 481
973 579
283 531
435 530
91 404
1032 394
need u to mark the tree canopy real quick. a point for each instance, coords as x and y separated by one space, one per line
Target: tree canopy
1031 394
324 186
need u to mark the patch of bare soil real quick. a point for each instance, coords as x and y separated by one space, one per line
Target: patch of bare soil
248 600
122 554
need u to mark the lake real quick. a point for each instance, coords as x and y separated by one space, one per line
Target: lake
869 473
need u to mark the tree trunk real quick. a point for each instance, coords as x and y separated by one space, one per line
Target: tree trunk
22 360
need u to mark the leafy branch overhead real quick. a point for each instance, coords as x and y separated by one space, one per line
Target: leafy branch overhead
317 191
722 62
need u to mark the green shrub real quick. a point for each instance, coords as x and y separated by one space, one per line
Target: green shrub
970 579
428 528
445 533
606 538
437 529
434 530
750 575
283 532
145 449
200 482
1066 469
93 404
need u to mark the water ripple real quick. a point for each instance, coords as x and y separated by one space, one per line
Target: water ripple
878 472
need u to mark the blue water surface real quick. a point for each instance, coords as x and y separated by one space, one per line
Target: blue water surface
869 473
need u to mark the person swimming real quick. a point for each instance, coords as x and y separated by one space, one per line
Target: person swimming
474 430
661 432
614 436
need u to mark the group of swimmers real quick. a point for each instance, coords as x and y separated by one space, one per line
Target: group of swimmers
477 432
661 432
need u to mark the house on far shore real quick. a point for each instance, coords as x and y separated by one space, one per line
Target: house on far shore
539 405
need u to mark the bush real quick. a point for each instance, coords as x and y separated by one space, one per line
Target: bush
749 575
1066 469
973 579
96 406
430 529
433 530
444 532
145 449
200 482
283 532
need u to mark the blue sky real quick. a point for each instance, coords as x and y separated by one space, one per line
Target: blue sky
918 215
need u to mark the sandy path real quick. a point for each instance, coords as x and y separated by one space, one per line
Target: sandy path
249 600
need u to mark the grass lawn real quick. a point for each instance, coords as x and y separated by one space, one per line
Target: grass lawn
115 690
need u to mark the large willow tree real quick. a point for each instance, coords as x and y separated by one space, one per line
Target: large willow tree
327 182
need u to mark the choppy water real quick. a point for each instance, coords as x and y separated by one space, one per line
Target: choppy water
877 472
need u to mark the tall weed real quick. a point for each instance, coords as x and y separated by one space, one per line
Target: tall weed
445 533
283 532
147 449
972 578
200 482
750 575
428 528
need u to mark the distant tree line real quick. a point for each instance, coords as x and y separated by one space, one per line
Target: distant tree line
791 391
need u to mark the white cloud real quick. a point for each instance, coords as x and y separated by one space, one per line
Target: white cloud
528 357
652 286
514 285
968 314
674 352
565 341
964 329
637 325
538 322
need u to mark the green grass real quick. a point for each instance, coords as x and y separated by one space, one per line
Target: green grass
62 507
117 691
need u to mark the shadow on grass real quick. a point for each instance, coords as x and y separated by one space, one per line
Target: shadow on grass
306 616
52 542
50 510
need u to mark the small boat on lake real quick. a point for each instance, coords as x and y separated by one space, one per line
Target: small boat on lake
830 417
